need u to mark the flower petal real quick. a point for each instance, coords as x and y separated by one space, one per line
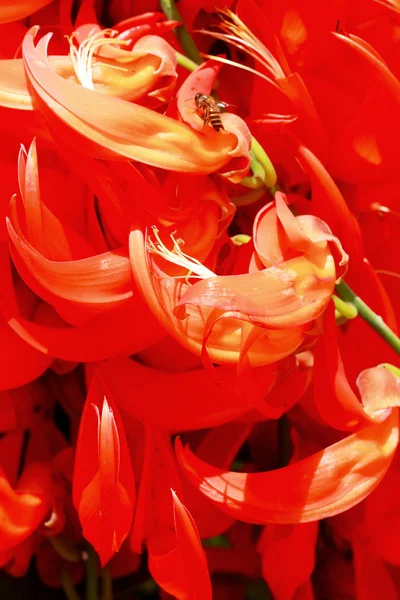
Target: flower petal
209 405
127 129
287 549
324 484
14 91
103 484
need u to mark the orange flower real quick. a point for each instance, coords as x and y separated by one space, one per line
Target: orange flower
265 313
81 286
127 130
321 485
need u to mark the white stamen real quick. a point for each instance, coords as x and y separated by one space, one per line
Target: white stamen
176 255
239 35
82 56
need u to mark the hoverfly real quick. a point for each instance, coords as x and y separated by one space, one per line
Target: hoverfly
210 110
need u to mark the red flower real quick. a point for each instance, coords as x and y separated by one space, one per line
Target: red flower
103 484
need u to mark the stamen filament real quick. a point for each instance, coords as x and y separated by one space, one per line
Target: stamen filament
176 256
82 56
235 32
226 61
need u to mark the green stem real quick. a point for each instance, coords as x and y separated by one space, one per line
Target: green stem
190 59
68 586
391 368
345 309
184 38
263 159
364 311
240 239
257 180
65 549
249 198
91 574
185 62
106 584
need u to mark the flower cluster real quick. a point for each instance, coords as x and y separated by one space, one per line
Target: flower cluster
198 300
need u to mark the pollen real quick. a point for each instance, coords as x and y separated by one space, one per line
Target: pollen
176 256
82 55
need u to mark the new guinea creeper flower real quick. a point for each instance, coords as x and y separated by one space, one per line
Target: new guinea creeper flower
183 400
128 129
79 286
308 489
265 313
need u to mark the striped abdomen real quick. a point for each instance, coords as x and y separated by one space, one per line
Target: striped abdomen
215 120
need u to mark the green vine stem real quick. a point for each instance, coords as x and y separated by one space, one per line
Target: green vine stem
264 172
391 368
65 549
68 586
345 309
106 584
183 36
375 321
91 574
185 62
259 153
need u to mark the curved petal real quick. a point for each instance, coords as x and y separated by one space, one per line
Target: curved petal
104 280
204 331
187 557
14 91
125 330
25 508
16 352
288 295
322 485
328 203
127 130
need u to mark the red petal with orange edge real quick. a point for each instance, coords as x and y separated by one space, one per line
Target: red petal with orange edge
26 507
322 485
